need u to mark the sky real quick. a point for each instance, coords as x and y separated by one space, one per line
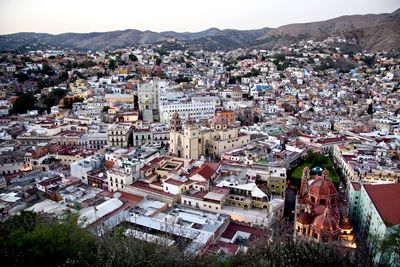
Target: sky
59 16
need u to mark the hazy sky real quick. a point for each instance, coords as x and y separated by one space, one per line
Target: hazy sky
58 16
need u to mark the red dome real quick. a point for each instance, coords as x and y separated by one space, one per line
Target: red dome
318 210
326 222
305 218
323 187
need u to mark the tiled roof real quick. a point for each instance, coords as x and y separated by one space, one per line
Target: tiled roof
386 198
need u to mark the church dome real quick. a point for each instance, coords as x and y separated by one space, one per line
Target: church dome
322 187
175 115
326 222
305 218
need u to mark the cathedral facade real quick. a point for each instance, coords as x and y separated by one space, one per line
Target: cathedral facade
191 142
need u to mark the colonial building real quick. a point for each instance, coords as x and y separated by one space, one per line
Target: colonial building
375 213
192 143
148 99
197 108
118 135
320 212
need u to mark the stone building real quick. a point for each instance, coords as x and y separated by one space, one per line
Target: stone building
191 142
321 212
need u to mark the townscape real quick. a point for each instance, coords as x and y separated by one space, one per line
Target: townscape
214 147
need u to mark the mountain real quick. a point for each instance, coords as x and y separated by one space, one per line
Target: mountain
324 28
373 32
210 39
384 34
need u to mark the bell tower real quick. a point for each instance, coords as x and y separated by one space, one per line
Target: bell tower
176 123
304 180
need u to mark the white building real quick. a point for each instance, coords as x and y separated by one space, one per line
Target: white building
198 108
124 173
149 98
80 169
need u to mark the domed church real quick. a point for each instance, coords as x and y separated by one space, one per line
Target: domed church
320 212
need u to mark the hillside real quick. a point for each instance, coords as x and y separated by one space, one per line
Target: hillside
373 32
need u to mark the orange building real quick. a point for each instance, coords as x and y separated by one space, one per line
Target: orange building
228 115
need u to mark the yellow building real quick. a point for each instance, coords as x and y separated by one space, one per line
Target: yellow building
192 143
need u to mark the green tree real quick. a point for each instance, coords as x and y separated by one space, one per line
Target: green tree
370 109
68 102
158 61
369 60
112 64
105 109
389 247
53 98
133 57
47 70
23 103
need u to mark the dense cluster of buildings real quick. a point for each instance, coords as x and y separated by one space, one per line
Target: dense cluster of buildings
202 145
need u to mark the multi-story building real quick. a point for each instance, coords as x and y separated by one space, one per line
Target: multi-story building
81 168
119 176
94 140
119 134
197 108
192 143
142 136
363 163
149 98
375 213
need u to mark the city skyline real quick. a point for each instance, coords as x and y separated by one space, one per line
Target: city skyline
89 16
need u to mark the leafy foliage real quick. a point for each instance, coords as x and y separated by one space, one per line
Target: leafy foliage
23 103
69 101
30 238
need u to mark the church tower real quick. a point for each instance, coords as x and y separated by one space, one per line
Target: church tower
176 123
304 180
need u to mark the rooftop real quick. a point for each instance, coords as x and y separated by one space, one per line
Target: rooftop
386 198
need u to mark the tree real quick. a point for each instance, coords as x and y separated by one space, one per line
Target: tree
47 70
390 246
133 57
370 109
232 80
112 64
69 101
49 241
105 109
53 98
158 61
369 60
23 103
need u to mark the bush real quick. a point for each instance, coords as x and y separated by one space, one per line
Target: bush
30 238
23 103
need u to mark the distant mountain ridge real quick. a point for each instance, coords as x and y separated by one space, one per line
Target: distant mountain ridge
373 32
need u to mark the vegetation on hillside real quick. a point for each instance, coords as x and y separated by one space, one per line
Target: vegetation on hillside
29 239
